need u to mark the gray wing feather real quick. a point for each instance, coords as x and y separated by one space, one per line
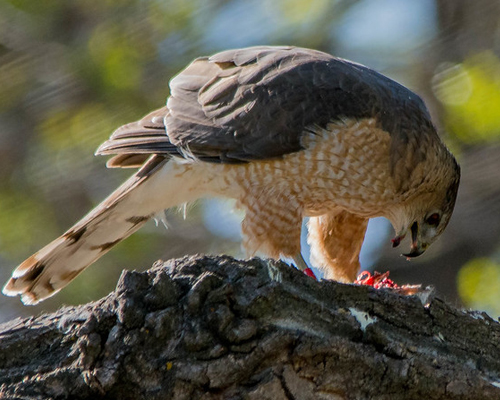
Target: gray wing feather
256 103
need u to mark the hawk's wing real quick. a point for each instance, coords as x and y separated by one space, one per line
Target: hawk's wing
256 103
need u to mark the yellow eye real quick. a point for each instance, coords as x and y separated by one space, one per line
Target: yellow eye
433 219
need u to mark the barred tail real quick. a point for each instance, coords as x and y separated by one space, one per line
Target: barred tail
153 188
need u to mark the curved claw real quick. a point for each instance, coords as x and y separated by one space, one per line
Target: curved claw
396 241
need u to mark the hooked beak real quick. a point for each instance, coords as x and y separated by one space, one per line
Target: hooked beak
416 249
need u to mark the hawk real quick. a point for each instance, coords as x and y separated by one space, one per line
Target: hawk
289 133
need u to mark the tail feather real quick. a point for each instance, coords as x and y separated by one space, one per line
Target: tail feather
117 217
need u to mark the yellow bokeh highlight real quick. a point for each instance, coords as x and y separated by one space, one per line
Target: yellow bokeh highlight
478 284
122 70
118 56
470 94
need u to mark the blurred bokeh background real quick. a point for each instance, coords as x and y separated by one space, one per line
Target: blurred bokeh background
73 71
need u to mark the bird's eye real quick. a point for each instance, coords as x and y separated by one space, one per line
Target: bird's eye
433 219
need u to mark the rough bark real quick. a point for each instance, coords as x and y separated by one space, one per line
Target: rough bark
218 328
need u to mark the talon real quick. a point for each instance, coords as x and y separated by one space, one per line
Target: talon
396 241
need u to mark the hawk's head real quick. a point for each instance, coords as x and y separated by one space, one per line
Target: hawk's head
427 215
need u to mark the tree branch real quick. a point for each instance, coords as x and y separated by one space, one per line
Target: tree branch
218 328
